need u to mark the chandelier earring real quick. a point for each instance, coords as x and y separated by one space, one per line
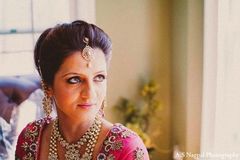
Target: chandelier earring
101 111
46 101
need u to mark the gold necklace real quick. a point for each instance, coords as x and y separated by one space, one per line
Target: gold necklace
72 150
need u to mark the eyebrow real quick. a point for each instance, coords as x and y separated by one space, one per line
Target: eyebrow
75 73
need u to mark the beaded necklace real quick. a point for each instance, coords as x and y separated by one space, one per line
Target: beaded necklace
89 139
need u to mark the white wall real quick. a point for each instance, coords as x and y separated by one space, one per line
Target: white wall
187 52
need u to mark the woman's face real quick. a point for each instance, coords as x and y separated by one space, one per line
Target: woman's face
79 90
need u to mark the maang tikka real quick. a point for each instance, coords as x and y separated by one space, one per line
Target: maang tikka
87 52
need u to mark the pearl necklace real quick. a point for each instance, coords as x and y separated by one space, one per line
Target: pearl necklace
72 150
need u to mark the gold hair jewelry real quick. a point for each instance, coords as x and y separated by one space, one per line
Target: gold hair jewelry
89 140
87 52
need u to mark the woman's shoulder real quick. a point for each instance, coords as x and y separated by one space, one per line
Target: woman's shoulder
121 132
123 143
31 130
28 139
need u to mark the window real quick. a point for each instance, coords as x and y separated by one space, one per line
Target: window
20 26
220 125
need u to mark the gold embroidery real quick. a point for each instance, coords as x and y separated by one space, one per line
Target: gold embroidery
30 143
33 147
138 154
126 134
31 134
112 144
101 156
117 145
111 157
28 157
25 146
115 142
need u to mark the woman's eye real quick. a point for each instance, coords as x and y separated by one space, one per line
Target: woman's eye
74 80
100 78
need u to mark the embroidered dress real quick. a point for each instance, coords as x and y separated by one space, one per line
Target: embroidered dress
120 143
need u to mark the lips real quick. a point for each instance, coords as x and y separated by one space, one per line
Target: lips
85 105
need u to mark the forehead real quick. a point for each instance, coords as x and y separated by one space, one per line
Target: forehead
77 64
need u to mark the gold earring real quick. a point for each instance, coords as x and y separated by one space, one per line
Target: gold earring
46 102
104 104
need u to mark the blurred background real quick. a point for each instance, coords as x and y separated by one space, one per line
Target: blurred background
188 48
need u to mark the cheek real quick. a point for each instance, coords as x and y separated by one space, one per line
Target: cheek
63 94
101 92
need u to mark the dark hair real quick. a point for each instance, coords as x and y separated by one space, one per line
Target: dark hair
56 43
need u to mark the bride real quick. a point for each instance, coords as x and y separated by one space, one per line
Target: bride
72 60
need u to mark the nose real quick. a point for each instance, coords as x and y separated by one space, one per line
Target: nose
87 90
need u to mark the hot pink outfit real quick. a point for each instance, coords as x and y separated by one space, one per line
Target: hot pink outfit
120 143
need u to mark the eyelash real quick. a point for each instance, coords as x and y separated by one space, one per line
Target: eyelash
103 77
76 79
